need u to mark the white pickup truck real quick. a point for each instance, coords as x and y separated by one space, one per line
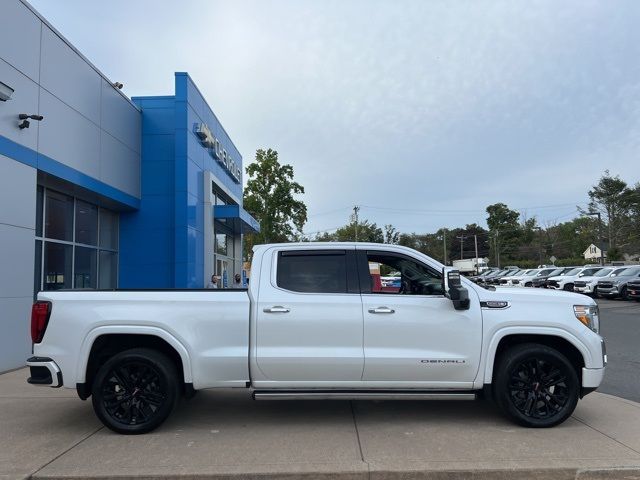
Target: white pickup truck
315 323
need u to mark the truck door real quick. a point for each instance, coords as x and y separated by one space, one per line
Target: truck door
309 317
412 333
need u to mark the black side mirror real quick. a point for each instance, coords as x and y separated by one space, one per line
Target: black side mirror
458 294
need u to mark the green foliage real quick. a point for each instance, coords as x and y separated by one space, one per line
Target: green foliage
367 232
270 197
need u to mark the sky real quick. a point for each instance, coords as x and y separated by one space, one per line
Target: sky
421 112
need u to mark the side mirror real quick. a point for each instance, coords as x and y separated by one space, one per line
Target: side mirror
454 290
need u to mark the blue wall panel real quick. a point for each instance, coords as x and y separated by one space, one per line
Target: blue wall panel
171 214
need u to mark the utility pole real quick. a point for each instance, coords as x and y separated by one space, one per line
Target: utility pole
356 209
444 244
475 240
539 246
461 238
497 248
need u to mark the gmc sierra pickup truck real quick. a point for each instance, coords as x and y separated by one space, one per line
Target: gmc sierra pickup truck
317 323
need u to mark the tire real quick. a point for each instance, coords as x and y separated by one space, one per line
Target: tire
520 392
623 294
568 287
135 391
529 284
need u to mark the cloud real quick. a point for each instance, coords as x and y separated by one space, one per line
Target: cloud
412 105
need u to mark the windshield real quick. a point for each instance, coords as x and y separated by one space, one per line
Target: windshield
590 271
630 272
531 273
549 271
573 271
618 272
603 273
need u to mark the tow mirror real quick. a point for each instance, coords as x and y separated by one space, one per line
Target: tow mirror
454 290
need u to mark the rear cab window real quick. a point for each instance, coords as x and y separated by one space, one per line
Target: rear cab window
317 271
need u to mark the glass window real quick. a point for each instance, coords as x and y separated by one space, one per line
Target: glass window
397 274
39 203
312 273
86 223
37 276
222 244
85 268
57 266
108 269
108 229
59 216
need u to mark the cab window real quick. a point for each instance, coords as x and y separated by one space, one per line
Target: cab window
396 274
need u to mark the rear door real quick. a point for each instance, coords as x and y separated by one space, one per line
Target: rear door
309 318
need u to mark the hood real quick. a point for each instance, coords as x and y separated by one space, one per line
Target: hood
534 295
591 278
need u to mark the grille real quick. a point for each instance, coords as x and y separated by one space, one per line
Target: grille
552 283
580 284
605 285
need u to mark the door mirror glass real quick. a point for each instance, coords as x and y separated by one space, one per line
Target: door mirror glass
454 290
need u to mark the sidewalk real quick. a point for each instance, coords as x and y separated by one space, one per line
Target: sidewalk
51 434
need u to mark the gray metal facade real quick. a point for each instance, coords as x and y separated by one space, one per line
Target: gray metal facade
87 145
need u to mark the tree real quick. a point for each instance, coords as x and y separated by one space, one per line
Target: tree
367 232
270 197
614 200
391 235
505 229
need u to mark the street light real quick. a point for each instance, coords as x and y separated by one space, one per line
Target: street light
592 214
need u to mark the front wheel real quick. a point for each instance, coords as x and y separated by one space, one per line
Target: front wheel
623 294
569 287
536 386
135 391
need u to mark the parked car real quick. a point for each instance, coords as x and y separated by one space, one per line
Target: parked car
633 289
617 287
313 325
566 281
589 284
541 281
493 277
505 279
526 280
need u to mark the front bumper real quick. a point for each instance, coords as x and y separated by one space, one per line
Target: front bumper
44 372
608 292
592 377
585 289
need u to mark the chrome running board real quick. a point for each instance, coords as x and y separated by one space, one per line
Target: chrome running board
359 395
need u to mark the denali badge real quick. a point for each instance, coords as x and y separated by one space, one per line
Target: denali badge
445 360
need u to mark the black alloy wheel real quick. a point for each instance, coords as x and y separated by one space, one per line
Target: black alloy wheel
135 391
569 287
536 386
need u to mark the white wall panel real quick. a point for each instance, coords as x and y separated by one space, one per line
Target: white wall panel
119 165
15 341
16 256
120 118
20 37
68 137
17 195
65 74
23 100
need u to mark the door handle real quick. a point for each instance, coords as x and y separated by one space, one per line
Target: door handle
276 309
382 310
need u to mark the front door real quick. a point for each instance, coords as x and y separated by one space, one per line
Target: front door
309 319
412 333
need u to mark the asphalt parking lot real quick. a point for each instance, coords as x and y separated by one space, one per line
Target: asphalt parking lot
620 327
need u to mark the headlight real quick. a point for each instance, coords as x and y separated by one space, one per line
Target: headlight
588 315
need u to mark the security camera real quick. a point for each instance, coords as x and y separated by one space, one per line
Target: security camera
118 85
5 92
24 116
24 124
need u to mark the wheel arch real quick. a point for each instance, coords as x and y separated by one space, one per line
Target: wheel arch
575 351
104 342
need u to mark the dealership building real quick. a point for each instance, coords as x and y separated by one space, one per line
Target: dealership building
98 190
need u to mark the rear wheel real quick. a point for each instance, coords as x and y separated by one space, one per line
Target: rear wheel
135 391
536 386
